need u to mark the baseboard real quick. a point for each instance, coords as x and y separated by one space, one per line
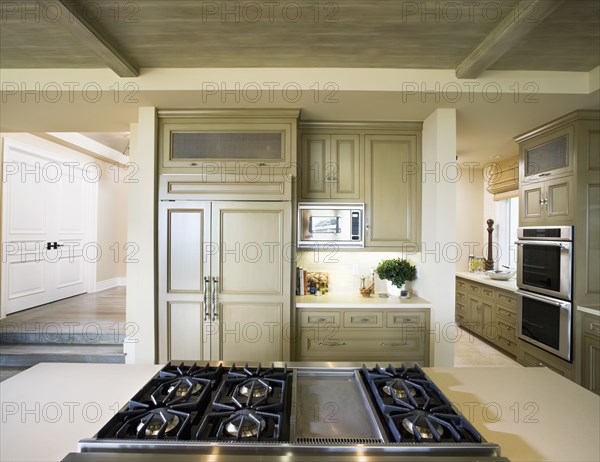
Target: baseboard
109 284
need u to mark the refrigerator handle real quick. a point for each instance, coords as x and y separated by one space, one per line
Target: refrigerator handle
215 307
205 300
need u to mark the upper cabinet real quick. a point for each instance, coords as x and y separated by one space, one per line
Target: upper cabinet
226 140
557 167
374 163
331 167
547 156
393 190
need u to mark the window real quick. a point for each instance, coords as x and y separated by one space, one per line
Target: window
507 213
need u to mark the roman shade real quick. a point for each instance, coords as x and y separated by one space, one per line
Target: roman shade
503 178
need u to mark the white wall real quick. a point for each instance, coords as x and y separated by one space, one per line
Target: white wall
141 227
112 226
436 281
469 215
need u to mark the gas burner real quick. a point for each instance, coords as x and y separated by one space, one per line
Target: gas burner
260 372
245 424
156 420
421 422
398 388
187 372
182 387
258 388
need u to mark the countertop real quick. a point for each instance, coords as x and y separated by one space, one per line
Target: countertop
350 301
510 285
594 310
532 413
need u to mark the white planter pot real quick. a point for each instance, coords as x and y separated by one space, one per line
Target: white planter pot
394 291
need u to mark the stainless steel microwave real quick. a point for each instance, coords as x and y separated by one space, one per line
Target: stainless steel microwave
330 224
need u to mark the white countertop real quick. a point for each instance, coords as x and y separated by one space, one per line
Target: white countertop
532 413
350 301
592 309
48 408
510 285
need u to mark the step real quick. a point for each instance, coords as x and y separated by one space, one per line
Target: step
8 372
65 332
25 355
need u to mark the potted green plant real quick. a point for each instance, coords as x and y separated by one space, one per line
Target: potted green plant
397 271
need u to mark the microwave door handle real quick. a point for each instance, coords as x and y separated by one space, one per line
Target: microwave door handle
540 298
310 225
338 228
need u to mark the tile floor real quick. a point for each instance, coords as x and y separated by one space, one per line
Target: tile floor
469 351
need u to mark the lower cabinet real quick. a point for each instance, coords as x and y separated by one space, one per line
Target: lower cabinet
532 356
363 335
590 353
488 312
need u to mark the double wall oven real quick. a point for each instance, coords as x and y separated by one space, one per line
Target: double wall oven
544 279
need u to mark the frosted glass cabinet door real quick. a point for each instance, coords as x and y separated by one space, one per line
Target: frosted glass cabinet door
548 156
214 145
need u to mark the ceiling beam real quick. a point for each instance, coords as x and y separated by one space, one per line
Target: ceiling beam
522 20
94 39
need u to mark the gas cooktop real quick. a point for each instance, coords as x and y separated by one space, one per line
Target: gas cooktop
202 408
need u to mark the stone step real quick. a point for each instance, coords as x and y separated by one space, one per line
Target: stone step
65 332
26 355
8 372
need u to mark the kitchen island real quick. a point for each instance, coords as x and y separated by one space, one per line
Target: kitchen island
532 413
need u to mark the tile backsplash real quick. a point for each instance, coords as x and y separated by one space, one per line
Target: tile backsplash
340 264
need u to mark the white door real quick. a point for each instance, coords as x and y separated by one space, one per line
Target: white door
45 213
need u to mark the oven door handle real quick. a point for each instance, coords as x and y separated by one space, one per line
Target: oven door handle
541 298
562 245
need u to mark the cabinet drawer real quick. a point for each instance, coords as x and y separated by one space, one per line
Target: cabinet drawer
508 343
460 284
363 319
506 329
461 297
474 288
400 319
344 347
506 312
533 361
461 308
487 292
591 325
508 298
460 318
529 355
314 318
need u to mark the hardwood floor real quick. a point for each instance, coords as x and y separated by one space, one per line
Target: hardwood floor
469 351
107 305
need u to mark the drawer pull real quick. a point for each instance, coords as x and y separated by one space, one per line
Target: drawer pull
394 344
364 320
318 320
331 344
